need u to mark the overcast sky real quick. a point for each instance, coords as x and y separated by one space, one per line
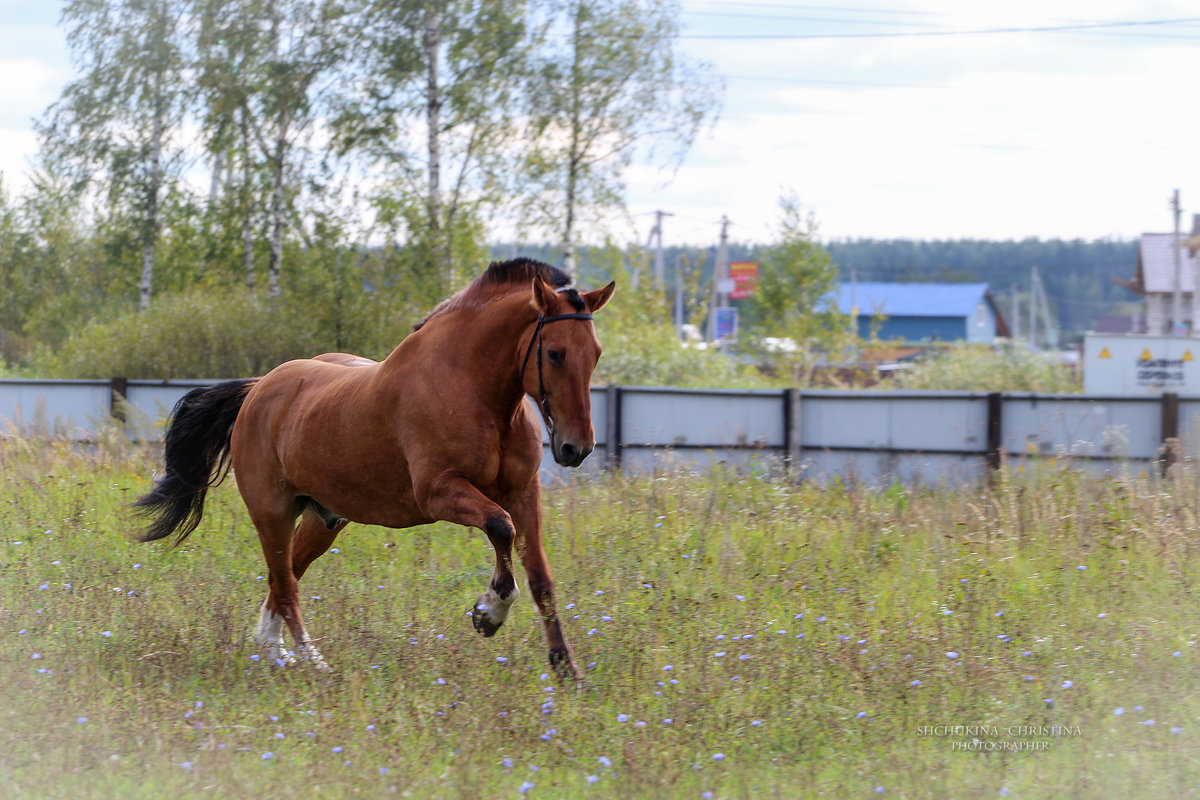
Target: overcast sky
887 119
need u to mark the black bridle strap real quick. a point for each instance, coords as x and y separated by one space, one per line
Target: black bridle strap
543 404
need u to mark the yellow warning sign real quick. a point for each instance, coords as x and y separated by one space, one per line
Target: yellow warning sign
1104 353
1187 356
1146 355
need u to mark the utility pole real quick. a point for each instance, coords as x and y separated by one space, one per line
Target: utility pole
1177 328
679 296
656 234
720 274
1016 314
1040 306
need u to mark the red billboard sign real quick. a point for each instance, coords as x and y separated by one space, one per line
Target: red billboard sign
745 278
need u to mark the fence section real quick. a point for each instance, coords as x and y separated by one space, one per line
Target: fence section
867 435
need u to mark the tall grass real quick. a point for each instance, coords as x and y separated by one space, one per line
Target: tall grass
742 637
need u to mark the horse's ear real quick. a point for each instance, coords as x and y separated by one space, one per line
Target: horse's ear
543 296
598 298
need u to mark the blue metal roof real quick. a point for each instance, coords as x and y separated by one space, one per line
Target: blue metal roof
911 299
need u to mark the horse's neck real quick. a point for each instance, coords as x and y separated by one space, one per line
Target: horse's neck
471 349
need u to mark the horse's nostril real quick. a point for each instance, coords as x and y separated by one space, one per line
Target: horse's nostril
569 452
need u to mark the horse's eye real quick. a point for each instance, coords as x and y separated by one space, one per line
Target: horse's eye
557 357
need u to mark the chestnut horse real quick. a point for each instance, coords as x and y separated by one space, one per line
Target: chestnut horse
439 430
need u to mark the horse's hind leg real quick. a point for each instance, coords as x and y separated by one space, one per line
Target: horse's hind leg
282 542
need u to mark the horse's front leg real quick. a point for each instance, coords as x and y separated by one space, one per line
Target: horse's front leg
453 498
527 514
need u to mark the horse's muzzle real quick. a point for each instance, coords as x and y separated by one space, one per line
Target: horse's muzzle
568 454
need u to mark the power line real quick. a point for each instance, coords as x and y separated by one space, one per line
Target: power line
1064 28
1082 26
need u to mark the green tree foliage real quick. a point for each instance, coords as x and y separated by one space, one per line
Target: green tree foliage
641 345
791 322
604 80
451 69
983 368
115 126
1078 275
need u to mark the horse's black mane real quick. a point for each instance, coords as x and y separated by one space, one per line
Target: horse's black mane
521 270
504 273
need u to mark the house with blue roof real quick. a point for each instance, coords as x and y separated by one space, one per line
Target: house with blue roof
919 312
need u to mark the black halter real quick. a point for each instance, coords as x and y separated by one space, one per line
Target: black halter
543 404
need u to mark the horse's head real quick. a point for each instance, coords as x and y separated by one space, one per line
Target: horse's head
557 366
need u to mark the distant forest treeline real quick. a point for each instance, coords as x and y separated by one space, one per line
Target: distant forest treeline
1077 275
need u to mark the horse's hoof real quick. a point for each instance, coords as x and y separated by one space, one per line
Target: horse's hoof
483 623
564 668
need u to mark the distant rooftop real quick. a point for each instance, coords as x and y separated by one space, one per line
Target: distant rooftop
911 299
1156 264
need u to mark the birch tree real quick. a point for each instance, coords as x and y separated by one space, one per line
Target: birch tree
606 81
116 126
267 65
436 111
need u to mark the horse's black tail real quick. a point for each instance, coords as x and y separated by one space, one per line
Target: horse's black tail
197 458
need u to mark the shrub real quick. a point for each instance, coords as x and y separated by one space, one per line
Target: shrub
982 368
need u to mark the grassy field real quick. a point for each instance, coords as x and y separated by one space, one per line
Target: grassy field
742 638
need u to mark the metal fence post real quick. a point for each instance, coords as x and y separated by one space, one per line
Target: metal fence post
612 426
793 444
1169 429
118 393
995 429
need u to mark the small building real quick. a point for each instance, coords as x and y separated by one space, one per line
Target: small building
916 312
1155 279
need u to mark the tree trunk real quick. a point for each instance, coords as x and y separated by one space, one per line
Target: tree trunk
433 33
150 230
576 133
277 214
244 202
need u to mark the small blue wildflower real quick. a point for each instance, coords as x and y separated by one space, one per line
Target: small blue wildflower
267 756
668 721
1068 684
622 717
915 683
525 787
82 720
337 749
718 756
186 765
1118 711
507 762
593 778
951 654
501 660
384 770
861 714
